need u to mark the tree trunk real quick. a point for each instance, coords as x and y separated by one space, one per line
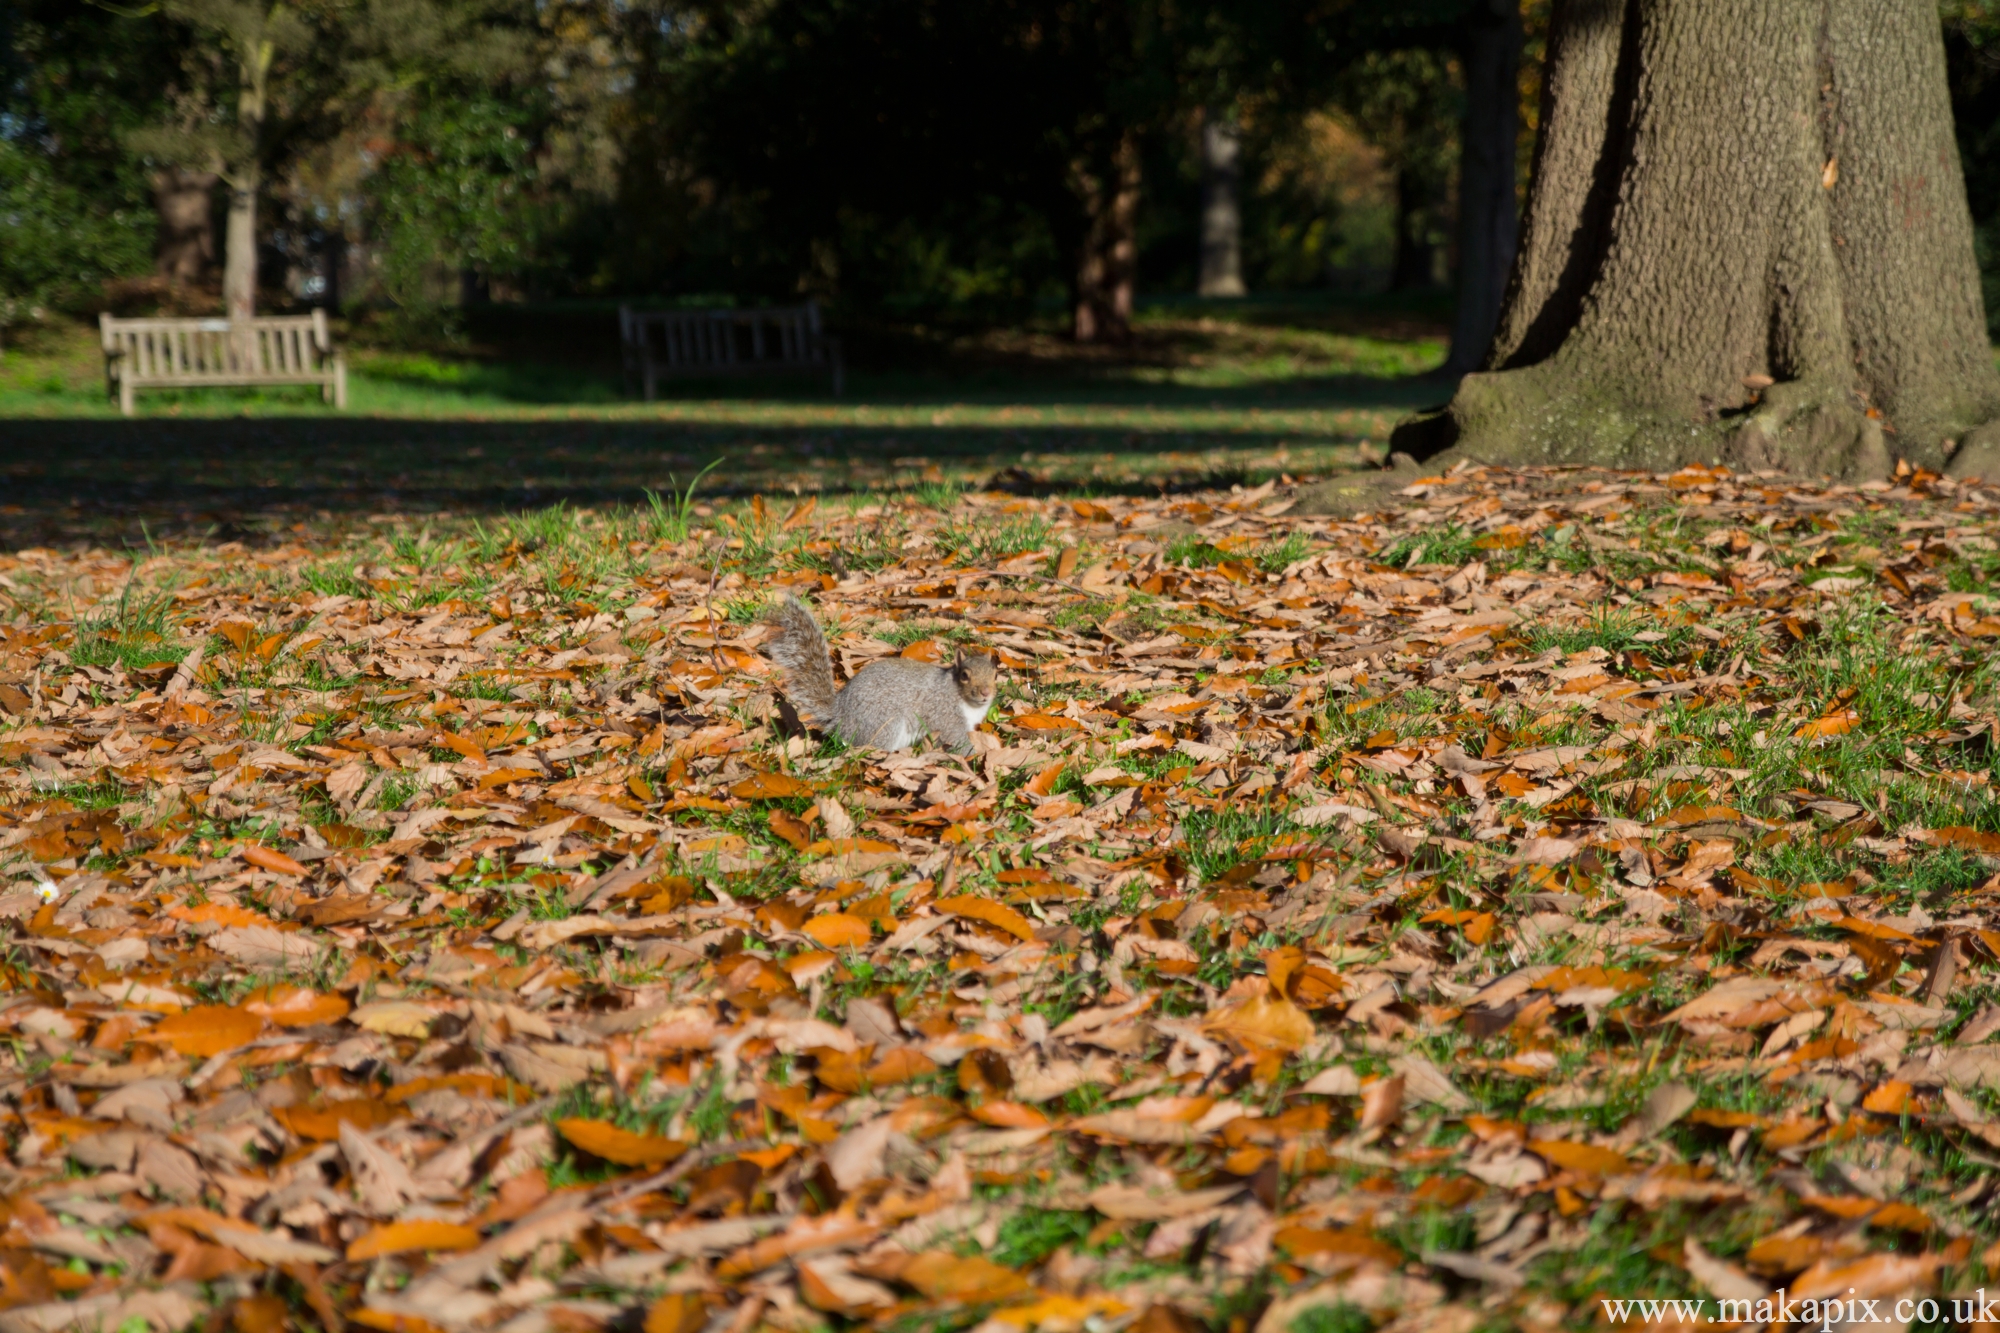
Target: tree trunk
1109 256
1746 240
239 266
1410 270
1221 222
184 201
1487 207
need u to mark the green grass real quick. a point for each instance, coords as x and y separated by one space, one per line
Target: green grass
986 540
1210 393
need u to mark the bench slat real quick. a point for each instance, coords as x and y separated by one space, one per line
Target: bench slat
724 342
164 353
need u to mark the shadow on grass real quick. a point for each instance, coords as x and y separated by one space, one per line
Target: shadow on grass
122 481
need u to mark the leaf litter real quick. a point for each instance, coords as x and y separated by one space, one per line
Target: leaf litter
1549 887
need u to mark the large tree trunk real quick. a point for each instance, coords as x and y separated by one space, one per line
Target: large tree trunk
1221 220
184 200
239 265
1747 240
1488 210
1108 263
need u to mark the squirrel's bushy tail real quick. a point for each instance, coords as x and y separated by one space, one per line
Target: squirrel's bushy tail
801 650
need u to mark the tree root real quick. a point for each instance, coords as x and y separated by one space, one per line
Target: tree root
1526 418
1977 457
1806 428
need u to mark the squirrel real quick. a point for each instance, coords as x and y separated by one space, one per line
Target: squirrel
889 703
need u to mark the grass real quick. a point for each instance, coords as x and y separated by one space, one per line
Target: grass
1233 392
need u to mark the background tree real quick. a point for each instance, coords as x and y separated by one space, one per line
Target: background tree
269 79
1747 238
75 206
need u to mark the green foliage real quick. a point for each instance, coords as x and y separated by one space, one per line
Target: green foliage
671 516
1339 1317
1450 545
1033 1234
56 244
983 540
464 196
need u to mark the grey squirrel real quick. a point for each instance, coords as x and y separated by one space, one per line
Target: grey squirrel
889 703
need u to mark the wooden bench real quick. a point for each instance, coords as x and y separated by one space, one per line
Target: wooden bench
687 344
199 353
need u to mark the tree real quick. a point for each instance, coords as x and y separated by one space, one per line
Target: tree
1488 211
75 204
271 78
1221 213
1746 239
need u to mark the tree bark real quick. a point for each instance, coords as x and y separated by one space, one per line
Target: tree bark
1488 209
239 268
1221 220
1107 264
184 201
1746 241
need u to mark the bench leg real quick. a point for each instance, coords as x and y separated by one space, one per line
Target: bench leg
125 404
339 383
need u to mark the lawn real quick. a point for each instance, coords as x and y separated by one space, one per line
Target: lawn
425 910
1269 390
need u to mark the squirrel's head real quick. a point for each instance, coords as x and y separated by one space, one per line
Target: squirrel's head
976 674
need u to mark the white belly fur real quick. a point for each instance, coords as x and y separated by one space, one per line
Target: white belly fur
974 714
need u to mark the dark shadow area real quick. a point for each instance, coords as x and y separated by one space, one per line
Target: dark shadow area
166 479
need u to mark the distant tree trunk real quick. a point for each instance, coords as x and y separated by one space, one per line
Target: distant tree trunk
333 258
1488 210
1108 261
1411 268
1221 219
184 200
1746 240
245 179
239 266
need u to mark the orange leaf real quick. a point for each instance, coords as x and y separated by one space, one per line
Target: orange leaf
602 1139
1268 1021
1791 1133
837 930
1901 1217
769 787
677 1312
406 1237
1044 782
992 913
222 914
275 862
900 1065
791 828
1833 724
322 1124
1890 1098
389 1321
1044 722
1583 1158
1958 835
295 1006
971 1280
1344 1243
207 1030
1009 1115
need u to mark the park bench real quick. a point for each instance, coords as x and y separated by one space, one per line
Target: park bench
686 344
199 353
